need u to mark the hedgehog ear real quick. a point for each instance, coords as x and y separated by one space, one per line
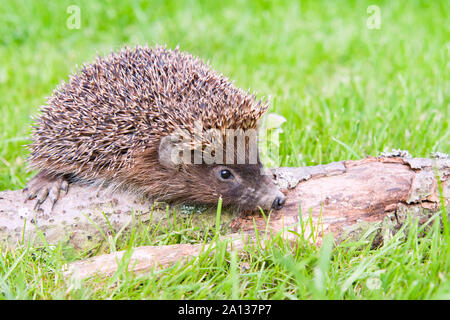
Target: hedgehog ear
169 153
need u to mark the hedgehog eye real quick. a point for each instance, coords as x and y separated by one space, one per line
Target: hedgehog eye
225 174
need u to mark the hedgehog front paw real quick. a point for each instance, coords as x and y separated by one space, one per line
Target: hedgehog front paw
42 187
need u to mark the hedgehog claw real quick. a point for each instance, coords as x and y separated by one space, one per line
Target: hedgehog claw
29 196
42 187
54 191
42 195
37 206
65 186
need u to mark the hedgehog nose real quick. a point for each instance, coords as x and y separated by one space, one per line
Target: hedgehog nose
279 201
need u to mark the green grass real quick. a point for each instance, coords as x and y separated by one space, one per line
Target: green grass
414 264
346 91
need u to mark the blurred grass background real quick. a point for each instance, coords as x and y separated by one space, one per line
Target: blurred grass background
346 90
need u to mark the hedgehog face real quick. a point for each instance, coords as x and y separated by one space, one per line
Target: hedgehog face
246 186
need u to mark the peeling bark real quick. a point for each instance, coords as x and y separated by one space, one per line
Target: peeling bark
344 198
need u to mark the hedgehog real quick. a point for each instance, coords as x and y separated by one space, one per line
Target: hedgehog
137 120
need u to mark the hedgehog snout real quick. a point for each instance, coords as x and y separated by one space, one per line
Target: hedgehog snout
271 198
279 201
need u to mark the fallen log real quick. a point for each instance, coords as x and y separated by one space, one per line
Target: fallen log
343 198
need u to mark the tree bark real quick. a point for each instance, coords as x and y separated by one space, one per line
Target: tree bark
344 198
